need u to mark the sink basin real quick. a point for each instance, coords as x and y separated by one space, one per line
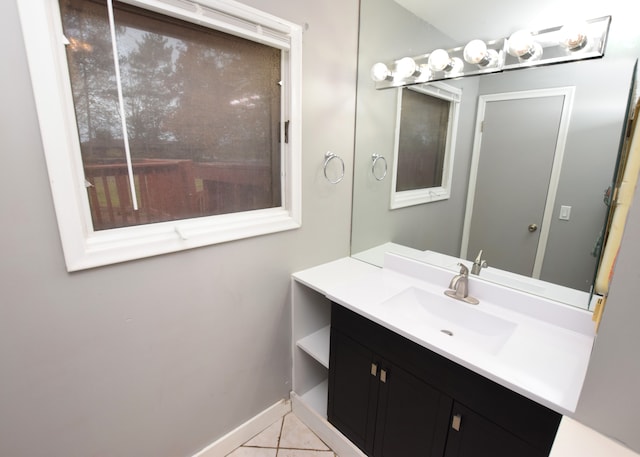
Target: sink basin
452 318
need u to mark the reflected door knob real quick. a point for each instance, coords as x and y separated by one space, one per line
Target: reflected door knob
533 227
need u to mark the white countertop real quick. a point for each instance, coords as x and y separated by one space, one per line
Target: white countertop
545 357
564 332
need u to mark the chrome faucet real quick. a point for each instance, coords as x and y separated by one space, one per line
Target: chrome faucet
478 264
459 287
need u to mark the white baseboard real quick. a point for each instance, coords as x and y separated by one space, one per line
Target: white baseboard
325 431
246 431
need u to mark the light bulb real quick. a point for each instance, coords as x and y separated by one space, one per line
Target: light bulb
405 68
573 36
423 72
476 52
523 46
520 43
455 67
380 72
439 60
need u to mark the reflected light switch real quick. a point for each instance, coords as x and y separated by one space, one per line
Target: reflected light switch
565 213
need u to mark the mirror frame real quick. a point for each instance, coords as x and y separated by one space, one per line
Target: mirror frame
401 199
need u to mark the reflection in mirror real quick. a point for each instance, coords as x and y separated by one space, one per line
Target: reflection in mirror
427 119
602 90
535 124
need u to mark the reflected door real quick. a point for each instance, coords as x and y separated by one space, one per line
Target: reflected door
519 143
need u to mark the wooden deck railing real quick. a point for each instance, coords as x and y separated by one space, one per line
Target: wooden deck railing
165 191
175 189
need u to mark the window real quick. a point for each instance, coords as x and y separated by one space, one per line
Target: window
427 118
191 136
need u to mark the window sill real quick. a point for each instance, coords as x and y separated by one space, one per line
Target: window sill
418 197
121 245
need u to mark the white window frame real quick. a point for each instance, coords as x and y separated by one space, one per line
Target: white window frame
428 194
85 248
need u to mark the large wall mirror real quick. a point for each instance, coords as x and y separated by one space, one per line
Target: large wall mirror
589 99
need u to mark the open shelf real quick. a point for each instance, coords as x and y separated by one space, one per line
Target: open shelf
316 398
317 345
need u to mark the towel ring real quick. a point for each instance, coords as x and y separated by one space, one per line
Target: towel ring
374 161
328 157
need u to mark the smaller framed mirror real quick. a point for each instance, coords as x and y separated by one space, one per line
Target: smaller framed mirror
426 124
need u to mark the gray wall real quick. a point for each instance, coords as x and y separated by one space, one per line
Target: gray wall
438 225
610 400
161 356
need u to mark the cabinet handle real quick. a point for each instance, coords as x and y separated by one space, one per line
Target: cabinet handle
374 369
456 422
383 375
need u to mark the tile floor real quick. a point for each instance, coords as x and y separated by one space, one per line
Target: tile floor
287 437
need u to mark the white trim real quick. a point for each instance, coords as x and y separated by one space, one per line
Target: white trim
554 180
418 196
563 131
246 431
83 248
225 15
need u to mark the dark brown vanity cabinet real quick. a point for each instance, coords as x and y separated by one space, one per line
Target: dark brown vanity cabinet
394 398
380 407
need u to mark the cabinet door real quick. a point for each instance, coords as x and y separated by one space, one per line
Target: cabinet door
412 417
381 408
353 390
471 435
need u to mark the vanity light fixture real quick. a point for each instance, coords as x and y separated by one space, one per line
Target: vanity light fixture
522 45
476 52
573 41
